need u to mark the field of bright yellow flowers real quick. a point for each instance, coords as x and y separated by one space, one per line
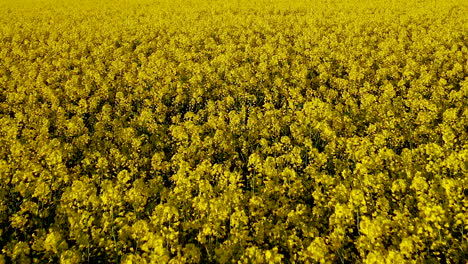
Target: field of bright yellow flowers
233 131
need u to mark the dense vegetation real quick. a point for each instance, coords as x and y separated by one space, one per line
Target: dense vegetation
224 131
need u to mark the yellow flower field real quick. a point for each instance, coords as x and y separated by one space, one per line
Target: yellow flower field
234 131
